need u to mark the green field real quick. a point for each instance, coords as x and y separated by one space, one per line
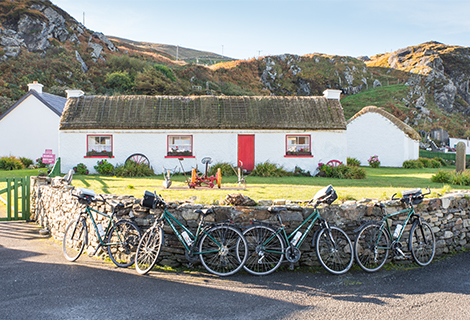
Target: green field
381 183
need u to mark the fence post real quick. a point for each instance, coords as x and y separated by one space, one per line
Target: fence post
8 199
15 197
25 198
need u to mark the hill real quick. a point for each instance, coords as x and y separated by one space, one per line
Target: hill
426 85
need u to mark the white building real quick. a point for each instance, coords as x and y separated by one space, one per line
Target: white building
288 131
31 125
373 131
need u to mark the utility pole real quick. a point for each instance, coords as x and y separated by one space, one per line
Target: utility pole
83 17
177 52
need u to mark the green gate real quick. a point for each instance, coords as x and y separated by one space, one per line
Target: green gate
15 199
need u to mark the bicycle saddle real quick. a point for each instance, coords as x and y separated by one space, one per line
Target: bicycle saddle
276 209
205 212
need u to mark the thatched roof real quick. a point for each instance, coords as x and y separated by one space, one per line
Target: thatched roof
202 112
409 131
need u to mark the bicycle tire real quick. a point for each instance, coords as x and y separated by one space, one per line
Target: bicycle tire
337 258
265 250
122 253
368 257
148 250
422 252
75 239
223 250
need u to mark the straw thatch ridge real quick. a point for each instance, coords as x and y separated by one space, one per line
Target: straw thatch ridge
409 131
202 112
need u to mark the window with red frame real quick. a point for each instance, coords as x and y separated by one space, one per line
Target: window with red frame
99 146
180 146
298 146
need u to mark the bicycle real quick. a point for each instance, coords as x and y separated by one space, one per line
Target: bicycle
268 244
220 247
121 237
374 239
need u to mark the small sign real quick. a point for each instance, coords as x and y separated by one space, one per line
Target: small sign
48 156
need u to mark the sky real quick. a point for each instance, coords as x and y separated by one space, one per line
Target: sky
244 29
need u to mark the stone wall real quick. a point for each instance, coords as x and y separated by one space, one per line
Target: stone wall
449 217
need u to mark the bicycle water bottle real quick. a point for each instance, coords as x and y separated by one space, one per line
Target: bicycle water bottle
397 231
296 238
100 229
186 238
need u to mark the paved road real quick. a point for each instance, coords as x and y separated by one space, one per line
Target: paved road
36 282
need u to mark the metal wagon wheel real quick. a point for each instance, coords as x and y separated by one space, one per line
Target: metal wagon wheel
139 158
334 163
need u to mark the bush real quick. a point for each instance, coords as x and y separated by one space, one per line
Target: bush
225 169
119 80
343 172
104 167
441 161
374 161
412 164
11 163
299 172
442 177
26 162
268 169
133 169
81 169
353 162
41 164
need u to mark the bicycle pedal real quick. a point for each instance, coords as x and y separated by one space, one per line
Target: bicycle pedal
402 253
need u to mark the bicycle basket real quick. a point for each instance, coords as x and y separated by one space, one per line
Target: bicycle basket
414 196
149 200
327 195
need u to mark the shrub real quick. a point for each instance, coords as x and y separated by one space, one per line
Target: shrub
374 161
268 169
426 162
81 169
26 162
41 164
441 161
353 162
462 179
412 164
299 172
442 177
133 169
104 167
166 71
10 163
343 172
225 169
119 80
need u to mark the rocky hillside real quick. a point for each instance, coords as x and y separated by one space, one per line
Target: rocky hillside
426 85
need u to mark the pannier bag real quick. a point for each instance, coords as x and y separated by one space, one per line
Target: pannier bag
149 200
327 195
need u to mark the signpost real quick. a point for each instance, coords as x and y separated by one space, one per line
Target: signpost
48 156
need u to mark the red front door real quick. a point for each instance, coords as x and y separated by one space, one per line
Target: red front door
246 151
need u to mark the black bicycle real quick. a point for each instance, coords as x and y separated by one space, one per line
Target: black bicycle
121 237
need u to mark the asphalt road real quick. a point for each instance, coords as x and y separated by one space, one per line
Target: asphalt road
36 282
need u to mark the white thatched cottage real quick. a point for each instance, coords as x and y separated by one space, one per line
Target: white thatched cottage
288 131
31 125
373 131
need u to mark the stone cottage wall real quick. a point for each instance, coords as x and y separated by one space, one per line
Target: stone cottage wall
449 217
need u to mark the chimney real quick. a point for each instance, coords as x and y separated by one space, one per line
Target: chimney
332 94
73 93
35 86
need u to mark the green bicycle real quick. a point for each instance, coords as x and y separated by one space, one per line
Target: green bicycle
220 247
121 237
374 239
269 244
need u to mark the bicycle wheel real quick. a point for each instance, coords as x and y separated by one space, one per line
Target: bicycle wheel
265 250
223 250
371 247
334 250
423 243
122 242
148 250
75 239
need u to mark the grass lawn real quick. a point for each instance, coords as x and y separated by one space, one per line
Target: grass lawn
381 183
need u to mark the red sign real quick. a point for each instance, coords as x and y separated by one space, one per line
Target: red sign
48 156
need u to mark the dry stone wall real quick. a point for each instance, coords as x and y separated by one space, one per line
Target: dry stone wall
448 215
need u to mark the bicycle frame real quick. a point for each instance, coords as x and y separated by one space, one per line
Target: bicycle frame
385 224
169 218
111 224
287 238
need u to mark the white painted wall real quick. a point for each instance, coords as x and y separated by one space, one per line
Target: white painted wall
372 134
220 145
29 129
453 144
